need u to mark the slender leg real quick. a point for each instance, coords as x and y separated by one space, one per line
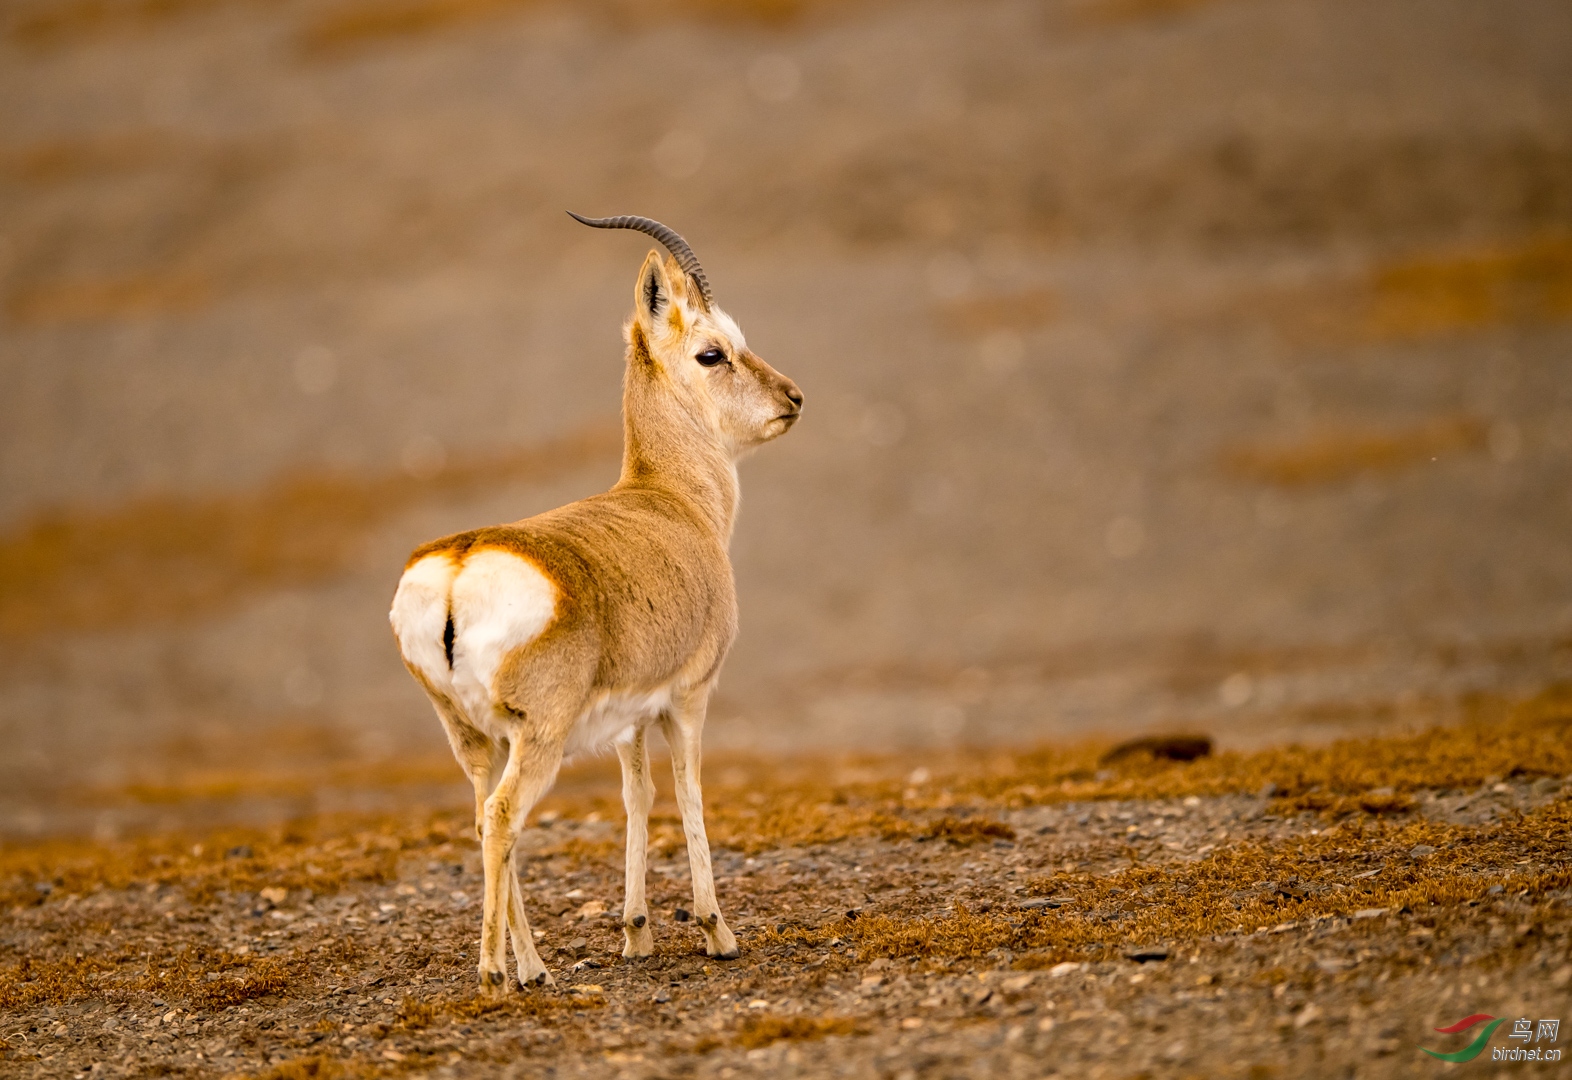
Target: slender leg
638 795
474 749
683 732
531 768
531 971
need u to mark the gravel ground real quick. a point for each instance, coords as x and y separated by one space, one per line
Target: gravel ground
377 978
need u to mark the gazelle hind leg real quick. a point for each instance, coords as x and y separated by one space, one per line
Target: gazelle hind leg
527 962
638 795
683 732
531 768
475 751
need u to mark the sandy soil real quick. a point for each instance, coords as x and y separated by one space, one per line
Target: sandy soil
1147 346
1193 365
926 924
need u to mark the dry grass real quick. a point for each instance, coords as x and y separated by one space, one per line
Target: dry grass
165 557
171 292
764 810
1244 888
1333 456
306 1068
192 978
67 21
416 1015
966 831
322 854
1427 294
1450 291
344 26
1018 311
1527 738
1118 11
357 25
757 1031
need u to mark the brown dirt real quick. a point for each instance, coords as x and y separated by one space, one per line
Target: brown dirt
992 916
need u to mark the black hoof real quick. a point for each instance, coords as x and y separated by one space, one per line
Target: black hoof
681 915
540 980
734 954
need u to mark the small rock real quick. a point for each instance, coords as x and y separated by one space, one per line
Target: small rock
1016 983
577 947
1161 747
1145 956
1370 913
1041 902
1059 971
585 965
661 997
1268 789
274 895
1308 1015
1419 851
590 909
392 1055
239 851
681 915
1495 890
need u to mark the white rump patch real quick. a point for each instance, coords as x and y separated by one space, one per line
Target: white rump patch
500 602
420 615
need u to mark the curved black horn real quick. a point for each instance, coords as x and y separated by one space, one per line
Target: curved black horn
668 237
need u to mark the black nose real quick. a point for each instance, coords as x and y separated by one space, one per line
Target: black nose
794 396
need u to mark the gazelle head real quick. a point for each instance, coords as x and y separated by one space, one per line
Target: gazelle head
685 351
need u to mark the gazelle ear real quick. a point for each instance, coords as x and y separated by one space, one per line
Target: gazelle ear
652 296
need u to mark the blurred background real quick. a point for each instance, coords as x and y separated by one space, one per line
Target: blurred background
1194 365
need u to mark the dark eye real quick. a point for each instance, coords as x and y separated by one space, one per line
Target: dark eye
711 357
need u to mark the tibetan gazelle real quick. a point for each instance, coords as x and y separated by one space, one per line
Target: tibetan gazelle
581 628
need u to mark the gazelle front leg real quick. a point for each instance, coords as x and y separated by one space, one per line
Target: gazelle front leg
530 770
638 795
683 731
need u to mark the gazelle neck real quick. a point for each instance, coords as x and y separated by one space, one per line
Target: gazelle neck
664 448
